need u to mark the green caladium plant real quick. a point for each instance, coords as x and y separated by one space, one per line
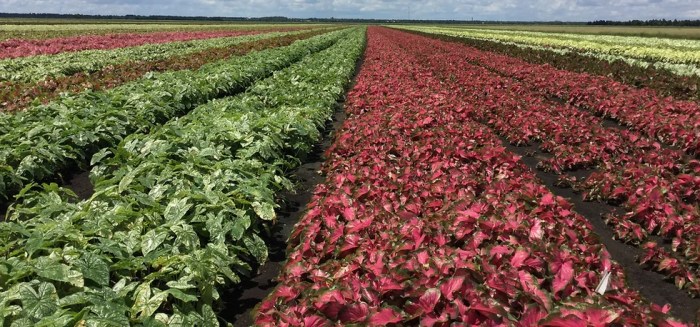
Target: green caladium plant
179 212
63 134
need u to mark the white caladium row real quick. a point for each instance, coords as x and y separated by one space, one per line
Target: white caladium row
37 68
682 56
177 214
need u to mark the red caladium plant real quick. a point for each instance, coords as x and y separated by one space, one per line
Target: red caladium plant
15 48
426 219
657 187
671 121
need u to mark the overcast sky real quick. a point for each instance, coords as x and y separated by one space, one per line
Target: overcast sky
566 10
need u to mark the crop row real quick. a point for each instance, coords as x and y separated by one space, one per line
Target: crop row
658 188
16 48
39 143
21 95
663 81
37 68
679 56
178 213
425 219
674 122
61 29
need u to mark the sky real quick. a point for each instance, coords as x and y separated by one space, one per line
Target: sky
521 10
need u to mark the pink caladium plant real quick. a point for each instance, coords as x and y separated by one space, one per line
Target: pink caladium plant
426 219
656 186
15 48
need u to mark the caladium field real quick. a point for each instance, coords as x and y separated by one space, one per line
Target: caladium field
426 216
426 219
178 211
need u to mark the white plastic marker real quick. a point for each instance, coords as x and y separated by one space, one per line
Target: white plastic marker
603 285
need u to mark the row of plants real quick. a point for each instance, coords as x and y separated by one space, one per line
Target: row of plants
38 68
59 28
681 54
658 188
179 214
63 134
664 82
16 48
673 122
425 219
22 95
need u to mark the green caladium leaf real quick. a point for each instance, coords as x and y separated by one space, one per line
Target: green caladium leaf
183 283
93 268
22 322
53 270
209 317
131 175
182 296
185 236
154 322
176 209
146 305
256 246
151 240
73 299
177 320
60 318
126 289
107 315
40 302
265 211
241 223
97 157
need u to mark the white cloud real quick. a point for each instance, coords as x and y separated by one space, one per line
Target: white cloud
565 10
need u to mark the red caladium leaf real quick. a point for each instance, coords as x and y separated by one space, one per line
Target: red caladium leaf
569 321
384 317
563 277
519 258
349 214
600 317
547 200
536 231
287 292
316 321
452 285
531 317
429 299
354 313
531 286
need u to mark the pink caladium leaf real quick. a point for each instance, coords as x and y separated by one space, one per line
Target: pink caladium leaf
429 299
600 318
531 286
569 321
451 286
536 231
531 317
354 313
563 277
349 214
547 200
384 317
519 258
316 321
